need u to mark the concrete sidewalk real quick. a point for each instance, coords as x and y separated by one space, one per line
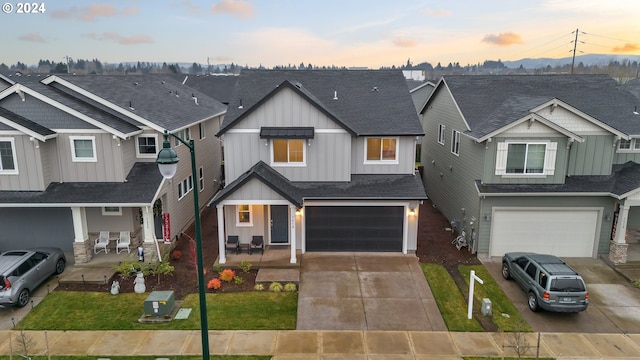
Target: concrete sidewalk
325 344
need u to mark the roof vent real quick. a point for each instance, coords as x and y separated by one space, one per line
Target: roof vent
335 95
135 83
162 82
177 94
195 99
375 88
298 85
131 106
240 106
635 110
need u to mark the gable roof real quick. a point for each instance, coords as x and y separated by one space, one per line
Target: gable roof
490 102
219 87
363 102
25 125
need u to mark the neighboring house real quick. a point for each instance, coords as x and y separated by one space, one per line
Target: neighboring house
219 87
78 157
535 163
321 161
420 91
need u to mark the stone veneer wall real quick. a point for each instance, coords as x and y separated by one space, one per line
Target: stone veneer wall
618 252
82 251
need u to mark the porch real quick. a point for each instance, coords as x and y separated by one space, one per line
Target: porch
631 268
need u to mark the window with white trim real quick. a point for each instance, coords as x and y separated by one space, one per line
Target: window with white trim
526 158
8 161
83 148
631 145
288 151
202 131
184 134
441 134
455 142
185 186
201 178
112 211
243 215
147 146
381 150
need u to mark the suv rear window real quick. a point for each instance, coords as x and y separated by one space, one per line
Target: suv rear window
566 285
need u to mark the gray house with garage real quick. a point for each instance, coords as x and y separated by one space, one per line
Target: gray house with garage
77 157
542 163
320 161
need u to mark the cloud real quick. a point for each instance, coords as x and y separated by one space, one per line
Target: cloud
404 43
504 39
93 12
242 9
626 48
33 37
435 13
122 40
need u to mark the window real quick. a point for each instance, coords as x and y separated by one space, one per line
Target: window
202 130
147 146
381 149
441 129
455 142
185 187
201 178
243 215
624 144
526 158
288 151
83 148
631 145
111 211
184 134
8 163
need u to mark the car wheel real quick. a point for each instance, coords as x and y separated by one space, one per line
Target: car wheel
532 301
23 298
505 271
60 265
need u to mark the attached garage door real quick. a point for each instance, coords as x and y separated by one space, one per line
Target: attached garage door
354 228
569 233
33 227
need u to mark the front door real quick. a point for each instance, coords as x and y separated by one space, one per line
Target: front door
279 224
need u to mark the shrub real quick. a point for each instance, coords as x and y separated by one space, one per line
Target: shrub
245 266
176 255
290 287
227 275
636 283
238 280
214 284
258 287
126 268
217 268
275 287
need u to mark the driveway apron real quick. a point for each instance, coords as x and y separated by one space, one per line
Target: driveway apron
365 291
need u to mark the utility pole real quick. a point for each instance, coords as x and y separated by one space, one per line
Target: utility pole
575 43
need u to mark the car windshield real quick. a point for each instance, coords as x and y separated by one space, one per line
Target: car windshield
566 285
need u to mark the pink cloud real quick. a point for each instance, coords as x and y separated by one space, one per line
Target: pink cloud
33 37
93 12
504 39
402 42
122 40
242 9
626 48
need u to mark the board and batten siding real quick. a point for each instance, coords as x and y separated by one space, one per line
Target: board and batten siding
622 157
29 165
405 157
108 166
449 179
594 156
50 162
254 191
259 220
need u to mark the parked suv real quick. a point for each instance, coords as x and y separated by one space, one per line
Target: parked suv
549 282
21 271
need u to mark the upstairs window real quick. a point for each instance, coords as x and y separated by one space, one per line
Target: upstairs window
455 142
288 151
441 129
8 163
381 149
185 187
184 134
202 130
83 148
526 158
147 146
631 145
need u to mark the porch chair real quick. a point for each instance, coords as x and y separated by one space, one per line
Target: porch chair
124 242
101 243
233 243
257 243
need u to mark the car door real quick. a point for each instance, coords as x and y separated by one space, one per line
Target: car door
531 276
42 265
518 271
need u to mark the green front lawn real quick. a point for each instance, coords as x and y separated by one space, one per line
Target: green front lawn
103 311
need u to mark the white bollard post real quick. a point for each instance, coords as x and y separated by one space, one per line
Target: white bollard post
472 279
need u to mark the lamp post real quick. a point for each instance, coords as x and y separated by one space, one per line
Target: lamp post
168 164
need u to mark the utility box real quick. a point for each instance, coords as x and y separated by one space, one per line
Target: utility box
159 304
486 307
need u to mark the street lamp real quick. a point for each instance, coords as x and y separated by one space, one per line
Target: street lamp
168 164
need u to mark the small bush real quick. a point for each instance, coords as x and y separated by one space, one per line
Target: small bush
126 268
238 280
275 287
636 283
176 255
214 284
258 287
217 268
227 275
290 287
245 266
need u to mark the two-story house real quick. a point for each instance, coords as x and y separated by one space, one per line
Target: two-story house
321 161
77 156
545 164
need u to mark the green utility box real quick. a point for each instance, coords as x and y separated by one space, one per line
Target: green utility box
159 304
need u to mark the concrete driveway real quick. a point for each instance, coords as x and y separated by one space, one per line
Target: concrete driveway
614 303
365 291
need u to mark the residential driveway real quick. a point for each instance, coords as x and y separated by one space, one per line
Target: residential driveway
365 291
614 303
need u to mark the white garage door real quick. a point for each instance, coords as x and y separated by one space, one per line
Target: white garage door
569 233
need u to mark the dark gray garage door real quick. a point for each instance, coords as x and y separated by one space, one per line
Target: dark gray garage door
354 228
26 228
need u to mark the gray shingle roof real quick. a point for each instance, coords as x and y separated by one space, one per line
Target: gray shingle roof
142 184
369 102
219 87
491 102
37 128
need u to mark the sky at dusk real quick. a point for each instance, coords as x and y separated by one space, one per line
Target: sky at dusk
348 33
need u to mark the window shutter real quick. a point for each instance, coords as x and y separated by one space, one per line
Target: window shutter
501 158
550 158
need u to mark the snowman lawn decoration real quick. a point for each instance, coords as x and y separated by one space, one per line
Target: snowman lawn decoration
138 284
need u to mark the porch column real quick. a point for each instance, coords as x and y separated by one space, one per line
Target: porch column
221 249
618 246
148 235
82 249
292 211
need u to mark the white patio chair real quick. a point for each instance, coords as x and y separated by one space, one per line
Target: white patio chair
124 242
101 243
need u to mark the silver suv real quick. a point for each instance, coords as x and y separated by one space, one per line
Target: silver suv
549 282
21 271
